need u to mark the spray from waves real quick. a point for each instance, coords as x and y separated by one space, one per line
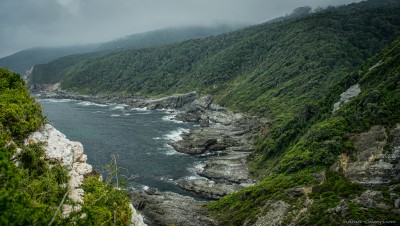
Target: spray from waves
196 168
140 109
176 135
119 107
88 103
171 118
55 100
169 150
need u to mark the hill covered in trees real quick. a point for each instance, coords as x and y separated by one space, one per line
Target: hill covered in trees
270 70
22 61
316 139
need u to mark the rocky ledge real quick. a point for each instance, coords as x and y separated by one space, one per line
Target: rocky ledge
227 138
167 208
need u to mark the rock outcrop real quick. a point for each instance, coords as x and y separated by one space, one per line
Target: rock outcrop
70 154
167 208
346 96
376 159
67 153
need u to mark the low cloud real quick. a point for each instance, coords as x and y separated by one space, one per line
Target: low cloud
31 23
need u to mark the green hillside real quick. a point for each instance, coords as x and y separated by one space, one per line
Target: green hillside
317 149
269 70
23 60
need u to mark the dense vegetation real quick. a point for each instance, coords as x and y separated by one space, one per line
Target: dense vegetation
291 71
270 70
21 61
316 148
32 187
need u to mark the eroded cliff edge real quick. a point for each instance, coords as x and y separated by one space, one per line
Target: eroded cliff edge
70 155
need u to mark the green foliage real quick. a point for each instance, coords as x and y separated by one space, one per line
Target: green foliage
244 206
30 192
273 69
336 185
31 187
317 137
103 204
19 113
337 189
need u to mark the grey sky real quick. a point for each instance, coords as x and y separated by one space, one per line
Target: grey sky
30 23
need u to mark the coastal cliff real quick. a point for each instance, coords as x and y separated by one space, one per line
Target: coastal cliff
70 155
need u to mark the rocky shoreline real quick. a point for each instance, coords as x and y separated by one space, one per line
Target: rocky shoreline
225 136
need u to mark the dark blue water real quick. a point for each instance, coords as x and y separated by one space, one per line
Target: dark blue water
138 138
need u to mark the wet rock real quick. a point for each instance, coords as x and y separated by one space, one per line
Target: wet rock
231 167
167 208
208 188
196 146
205 122
175 101
188 117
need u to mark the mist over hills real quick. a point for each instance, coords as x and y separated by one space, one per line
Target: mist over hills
22 61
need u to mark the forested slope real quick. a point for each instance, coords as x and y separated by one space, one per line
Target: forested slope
270 69
314 149
23 60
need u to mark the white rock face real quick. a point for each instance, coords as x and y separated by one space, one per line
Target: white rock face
67 153
346 96
70 154
137 219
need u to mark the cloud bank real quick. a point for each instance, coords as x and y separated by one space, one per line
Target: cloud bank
30 23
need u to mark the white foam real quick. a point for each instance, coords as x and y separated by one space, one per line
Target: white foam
56 100
119 107
176 135
140 109
143 113
197 168
171 118
127 114
145 188
115 115
88 103
169 150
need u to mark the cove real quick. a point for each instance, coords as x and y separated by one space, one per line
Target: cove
137 137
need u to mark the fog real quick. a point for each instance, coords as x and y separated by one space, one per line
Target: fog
30 23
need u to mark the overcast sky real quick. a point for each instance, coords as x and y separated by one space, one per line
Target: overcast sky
31 23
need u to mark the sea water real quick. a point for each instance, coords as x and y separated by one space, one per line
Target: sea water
138 138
